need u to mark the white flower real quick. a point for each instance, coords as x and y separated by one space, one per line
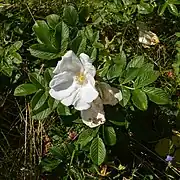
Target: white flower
73 83
94 116
108 94
148 38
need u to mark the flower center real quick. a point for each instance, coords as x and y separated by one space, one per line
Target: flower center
80 78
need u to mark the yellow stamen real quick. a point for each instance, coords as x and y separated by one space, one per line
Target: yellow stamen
80 78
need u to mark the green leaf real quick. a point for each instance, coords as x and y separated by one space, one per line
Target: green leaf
98 45
145 68
177 34
93 54
103 71
114 71
37 80
61 37
52 103
16 58
42 113
7 70
109 135
126 94
42 31
136 62
157 95
48 76
58 152
173 9
120 59
120 63
139 99
70 15
36 98
25 89
97 151
16 46
162 8
85 137
164 147
43 51
131 74
53 20
89 32
48 165
63 110
145 8
177 156
95 37
39 100
117 123
146 79
79 45
83 14
176 141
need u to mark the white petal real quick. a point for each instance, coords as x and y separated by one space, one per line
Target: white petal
89 93
86 94
80 105
90 79
61 81
70 99
69 63
62 94
94 116
87 64
85 58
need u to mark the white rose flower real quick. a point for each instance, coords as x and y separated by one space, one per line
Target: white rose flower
73 82
94 116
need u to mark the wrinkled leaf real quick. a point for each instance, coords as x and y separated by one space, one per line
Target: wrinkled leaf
97 151
146 79
53 20
42 113
79 45
139 99
70 15
61 37
126 94
131 74
173 9
37 80
109 135
43 51
63 110
136 62
48 76
85 137
39 100
52 103
16 58
157 95
42 31
25 89
16 46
